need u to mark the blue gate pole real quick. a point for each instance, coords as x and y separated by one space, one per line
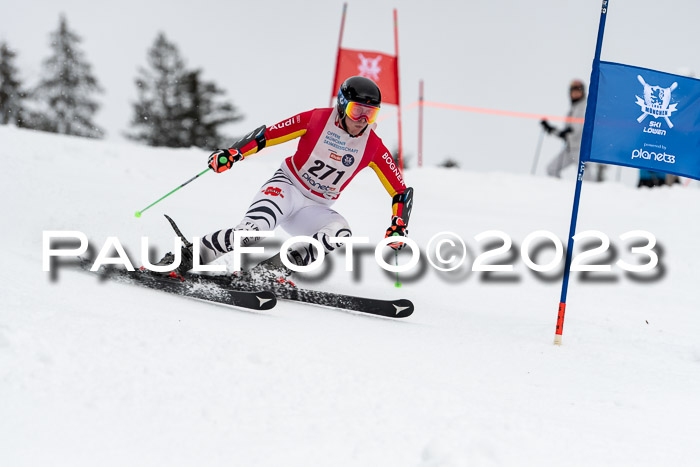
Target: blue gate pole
586 140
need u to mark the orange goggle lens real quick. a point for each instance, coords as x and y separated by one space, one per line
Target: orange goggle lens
357 111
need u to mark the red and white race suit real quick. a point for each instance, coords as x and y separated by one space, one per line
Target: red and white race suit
299 195
327 157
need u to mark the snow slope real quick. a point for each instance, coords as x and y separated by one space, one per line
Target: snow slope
105 374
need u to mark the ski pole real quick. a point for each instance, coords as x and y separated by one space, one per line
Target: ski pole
138 213
398 282
537 152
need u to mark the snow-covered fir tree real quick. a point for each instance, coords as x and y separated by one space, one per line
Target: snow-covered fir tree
12 94
67 86
157 111
175 107
204 113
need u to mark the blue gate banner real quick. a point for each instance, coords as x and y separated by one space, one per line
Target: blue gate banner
646 119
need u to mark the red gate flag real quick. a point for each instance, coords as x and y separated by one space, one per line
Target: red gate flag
379 67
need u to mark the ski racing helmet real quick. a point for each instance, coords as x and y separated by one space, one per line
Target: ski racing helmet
359 98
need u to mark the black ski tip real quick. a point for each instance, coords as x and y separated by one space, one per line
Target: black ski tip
267 300
170 219
404 308
177 231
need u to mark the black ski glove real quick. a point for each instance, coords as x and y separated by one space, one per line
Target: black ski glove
563 133
547 127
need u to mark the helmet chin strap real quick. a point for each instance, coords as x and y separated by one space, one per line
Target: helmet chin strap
345 127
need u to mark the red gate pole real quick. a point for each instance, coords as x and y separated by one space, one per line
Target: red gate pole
420 123
398 98
337 58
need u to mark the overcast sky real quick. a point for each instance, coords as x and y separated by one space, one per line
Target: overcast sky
276 58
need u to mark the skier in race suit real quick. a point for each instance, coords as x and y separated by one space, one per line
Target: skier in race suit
334 145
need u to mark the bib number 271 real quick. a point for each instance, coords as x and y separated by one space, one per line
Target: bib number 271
327 172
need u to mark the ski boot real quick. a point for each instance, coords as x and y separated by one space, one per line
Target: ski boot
273 271
186 256
186 263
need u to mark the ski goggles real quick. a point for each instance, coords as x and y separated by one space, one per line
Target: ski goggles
357 111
